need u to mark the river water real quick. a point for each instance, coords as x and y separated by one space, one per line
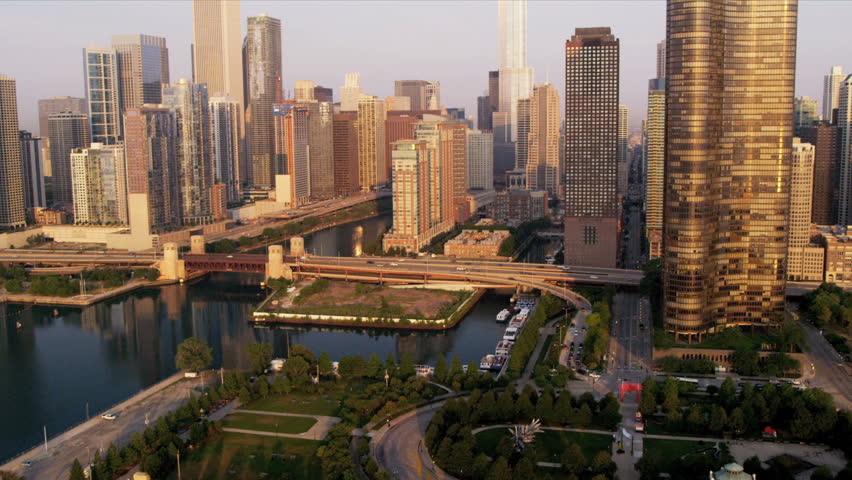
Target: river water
53 365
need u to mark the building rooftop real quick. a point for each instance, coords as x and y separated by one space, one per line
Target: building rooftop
480 237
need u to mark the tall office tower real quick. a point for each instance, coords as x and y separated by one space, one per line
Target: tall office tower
31 172
398 104
345 144
12 213
304 91
433 96
480 160
826 141
99 184
515 77
661 59
727 176
153 183
49 106
799 227
522 150
543 157
193 152
844 122
143 66
102 94
424 95
654 155
398 126
321 149
483 113
831 92
372 168
412 209
591 148
66 132
217 57
226 124
350 92
805 112
292 145
263 74
623 150
323 94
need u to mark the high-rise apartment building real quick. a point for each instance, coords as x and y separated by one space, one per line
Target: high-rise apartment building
423 94
263 75
143 66
153 183
217 57
321 149
543 140
831 92
292 145
522 124
99 184
515 77
372 169
398 126
66 132
805 112
480 160
844 122
727 175
193 152
412 209
304 91
826 141
226 127
441 137
461 206
32 172
591 145
345 147
49 106
623 149
102 94
661 59
350 92
804 260
654 155
483 113
12 213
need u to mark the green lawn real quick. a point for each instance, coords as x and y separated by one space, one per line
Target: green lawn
550 444
327 404
670 450
233 452
269 423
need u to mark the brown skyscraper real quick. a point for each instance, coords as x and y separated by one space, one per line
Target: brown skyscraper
591 137
12 213
398 126
728 156
345 153
826 140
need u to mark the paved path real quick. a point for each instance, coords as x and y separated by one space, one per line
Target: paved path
398 448
318 431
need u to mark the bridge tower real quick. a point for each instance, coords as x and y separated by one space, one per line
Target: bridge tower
275 266
196 245
170 266
297 246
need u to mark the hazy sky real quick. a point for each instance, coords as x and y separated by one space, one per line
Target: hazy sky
454 42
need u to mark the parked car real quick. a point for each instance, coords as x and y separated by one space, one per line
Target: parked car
109 416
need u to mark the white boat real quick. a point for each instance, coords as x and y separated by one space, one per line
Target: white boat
503 315
485 363
498 362
424 370
511 334
503 347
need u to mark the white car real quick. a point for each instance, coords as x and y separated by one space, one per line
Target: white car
109 416
594 375
394 264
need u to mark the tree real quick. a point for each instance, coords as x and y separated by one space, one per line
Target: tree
6 475
573 460
113 460
603 464
792 337
822 473
648 466
441 369
745 361
718 419
76 471
281 386
647 402
406 367
245 395
753 466
455 366
671 400
737 421
296 367
695 419
14 286
500 470
193 355
302 351
374 366
544 407
524 469
390 365
480 466
259 356
728 392
326 366
584 416
352 366
262 387
563 408
524 408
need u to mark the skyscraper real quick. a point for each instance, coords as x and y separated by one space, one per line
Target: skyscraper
49 106
844 122
323 94
153 186
480 160
350 92
12 214
217 58
398 126
483 113
522 125
226 123
321 149
515 77
424 95
831 92
494 90
591 144
66 132
32 172
654 145
193 153
800 252
292 143
304 91
372 169
263 74
398 104
102 94
727 175
826 141
805 112
623 150
99 184
543 144
412 208
143 65
345 138
661 59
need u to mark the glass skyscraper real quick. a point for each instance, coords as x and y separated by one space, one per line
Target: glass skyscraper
101 69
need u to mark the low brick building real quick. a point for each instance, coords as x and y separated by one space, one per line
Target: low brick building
476 243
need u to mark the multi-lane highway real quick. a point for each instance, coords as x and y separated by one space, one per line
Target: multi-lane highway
631 346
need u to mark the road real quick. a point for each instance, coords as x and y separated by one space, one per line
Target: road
399 448
631 346
632 238
829 373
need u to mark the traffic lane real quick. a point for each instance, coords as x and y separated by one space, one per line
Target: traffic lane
401 452
830 374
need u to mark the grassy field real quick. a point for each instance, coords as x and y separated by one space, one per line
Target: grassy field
250 456
310 404
669 450
550 444
268 423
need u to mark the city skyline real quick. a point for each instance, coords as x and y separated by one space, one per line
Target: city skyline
460 74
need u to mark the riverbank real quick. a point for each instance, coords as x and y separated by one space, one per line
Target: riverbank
86 300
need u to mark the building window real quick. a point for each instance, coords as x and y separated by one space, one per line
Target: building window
590 235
